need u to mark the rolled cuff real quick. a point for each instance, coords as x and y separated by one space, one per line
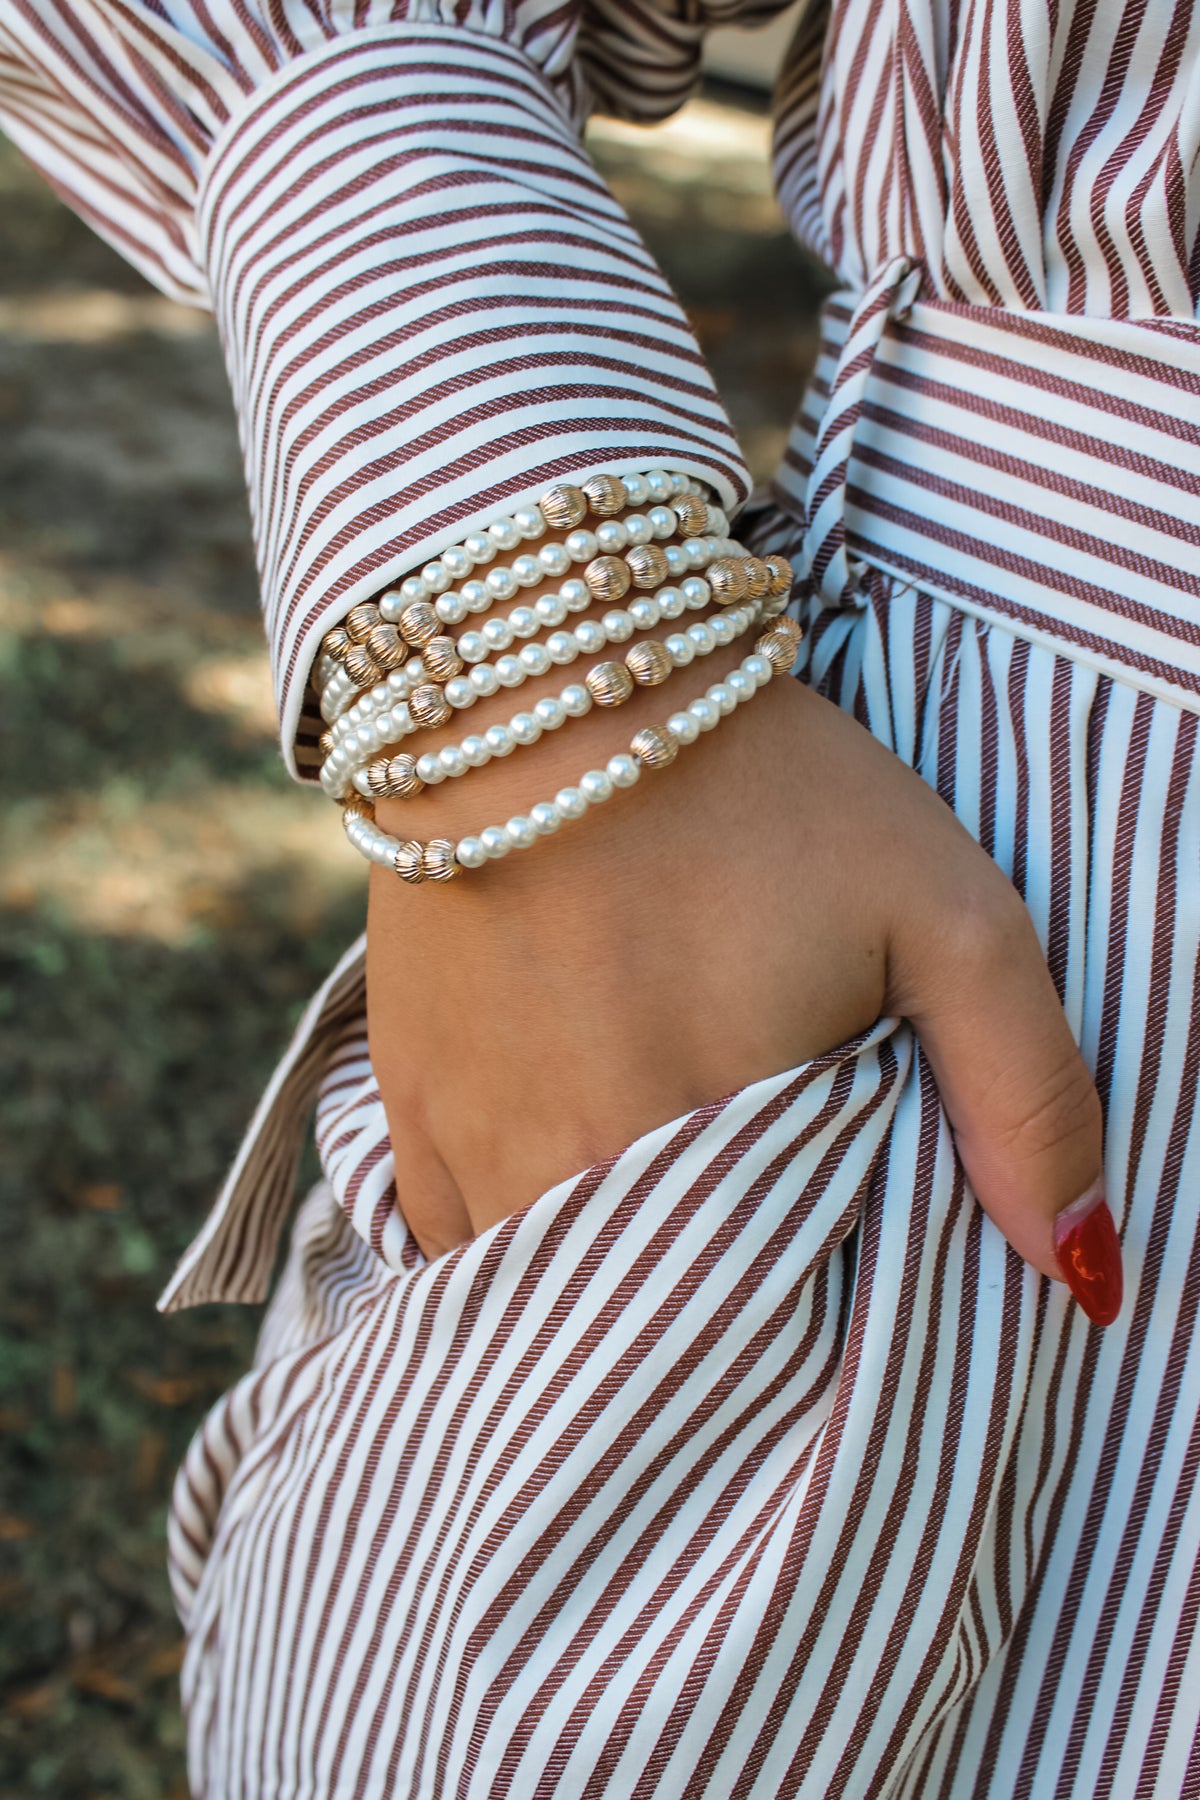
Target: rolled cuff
432 308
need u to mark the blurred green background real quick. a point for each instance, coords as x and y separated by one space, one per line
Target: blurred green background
169 898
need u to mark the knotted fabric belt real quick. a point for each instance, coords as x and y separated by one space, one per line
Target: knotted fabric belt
1039 469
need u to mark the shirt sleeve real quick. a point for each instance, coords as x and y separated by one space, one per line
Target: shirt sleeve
430 305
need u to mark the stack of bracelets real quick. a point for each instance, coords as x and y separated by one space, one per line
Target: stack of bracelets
393 667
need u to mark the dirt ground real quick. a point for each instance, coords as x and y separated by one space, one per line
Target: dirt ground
168 899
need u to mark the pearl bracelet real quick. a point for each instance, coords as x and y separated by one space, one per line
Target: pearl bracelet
362 646
606 684
653 747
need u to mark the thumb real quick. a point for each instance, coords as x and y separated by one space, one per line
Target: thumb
1024 1109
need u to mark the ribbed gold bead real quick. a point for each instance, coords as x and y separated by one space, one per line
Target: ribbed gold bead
360 621
419 623
609 683
395 777
758 578
441 658
325 744
607 578
692 514
792 627
727 579
778 649
361 666
647 565
654 747
649 663
605 495
408 860
335 643
356 805
387 646
781 573
564 507
429 706
439 862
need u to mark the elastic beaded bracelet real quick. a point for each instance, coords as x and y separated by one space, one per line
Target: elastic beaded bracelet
647 664
358 644
652 747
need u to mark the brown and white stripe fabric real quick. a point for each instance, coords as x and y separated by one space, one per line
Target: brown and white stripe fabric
430 304
751 1463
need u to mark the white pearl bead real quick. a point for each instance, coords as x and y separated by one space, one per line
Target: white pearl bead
682 484
623 770
469 851
504 534
561 647
521 832
670 602
662 521
570 803
526 728
551 712
502 584
680 649
367 739
644 613
575 594
495 843
682 726
697 552
637 491
704 712
480 548
414 672
590 636
484 679
460 692
475 596
639 528
459 562
739 684
362 782
535 659
582 546
509 672
596 786
701 637
402 723
758 669
554 560
544 818
612 537
472 646
500 740
617 625
550 609
529 522
576 700
724 627
413 588
523 621
391 605
527 569
677 560
451 608
475 749
453 761
497 634
696 592
436 577
430 769
658 484
722 697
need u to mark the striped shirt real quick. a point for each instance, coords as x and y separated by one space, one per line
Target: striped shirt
750 1463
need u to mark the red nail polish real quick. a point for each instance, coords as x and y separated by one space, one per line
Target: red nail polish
1089 1255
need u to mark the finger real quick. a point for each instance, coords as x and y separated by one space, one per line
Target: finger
1024 1109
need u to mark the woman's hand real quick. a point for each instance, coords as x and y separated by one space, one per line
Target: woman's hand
785 883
